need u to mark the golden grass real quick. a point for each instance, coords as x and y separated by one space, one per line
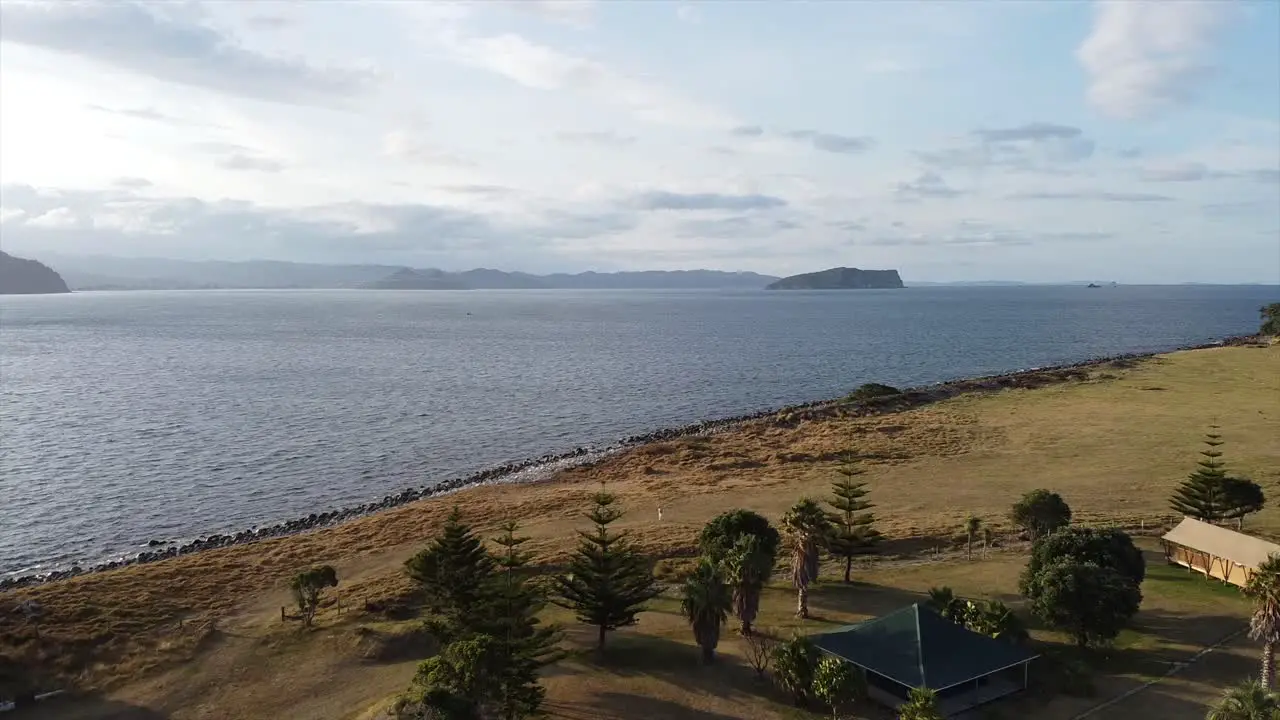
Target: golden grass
1113 444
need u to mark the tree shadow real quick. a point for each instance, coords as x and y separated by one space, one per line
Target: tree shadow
671 662
613 705
858 598
86 707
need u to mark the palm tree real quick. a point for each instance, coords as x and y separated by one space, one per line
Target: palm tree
945 602
806 526
1264 626
971 526
1250 700
706 604
922 704
994 619
747 568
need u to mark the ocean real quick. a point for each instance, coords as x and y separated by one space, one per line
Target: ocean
134 416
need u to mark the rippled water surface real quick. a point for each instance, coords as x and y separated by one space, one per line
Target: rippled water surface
132 416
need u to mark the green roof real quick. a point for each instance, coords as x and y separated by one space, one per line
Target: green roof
919 648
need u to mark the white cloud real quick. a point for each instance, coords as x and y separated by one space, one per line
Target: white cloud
1143 57
57 219
543 68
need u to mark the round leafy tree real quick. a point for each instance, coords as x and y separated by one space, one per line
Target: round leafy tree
1109 548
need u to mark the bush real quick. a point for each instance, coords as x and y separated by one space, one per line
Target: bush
793 664
871 391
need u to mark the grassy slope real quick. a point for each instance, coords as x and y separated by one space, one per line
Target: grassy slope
1113 446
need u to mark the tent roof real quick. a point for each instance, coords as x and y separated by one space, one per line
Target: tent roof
919 648
1221 542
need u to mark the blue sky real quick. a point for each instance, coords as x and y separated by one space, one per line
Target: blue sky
1135 140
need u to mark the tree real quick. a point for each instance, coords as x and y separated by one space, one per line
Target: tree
972 524
944 601
1107 547
922 704
836 683
1091 602
706 604
988 537
995 620
747 568
307 588
1249 700
719 536
1203 495
1263 588
1241 497
793 664
462 682
524 642
806 527
1040 512
758 649
851 525
452 572
609 581
1270 319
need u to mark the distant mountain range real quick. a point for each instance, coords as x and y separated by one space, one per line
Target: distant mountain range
841 278
114 273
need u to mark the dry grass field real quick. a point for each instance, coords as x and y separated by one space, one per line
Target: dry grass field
201 637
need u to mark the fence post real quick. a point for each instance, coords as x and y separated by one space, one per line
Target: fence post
281 613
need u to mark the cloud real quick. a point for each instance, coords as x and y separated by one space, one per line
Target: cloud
830 142
240 161
1092 195
544 68
1039 147
238 157
132 183
661 200
482 190
1179 172
86 221
170 46
1032 132
270 22
1197 171
410 146
148 114
596 138
576 13
927 185
1145 57
824 141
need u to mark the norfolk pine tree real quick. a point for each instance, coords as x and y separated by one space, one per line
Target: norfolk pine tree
525 643
1203 495
851 525
453 572
609 581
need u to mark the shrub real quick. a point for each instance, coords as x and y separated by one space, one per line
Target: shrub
871 391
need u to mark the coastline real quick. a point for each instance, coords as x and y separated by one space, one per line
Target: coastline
533 469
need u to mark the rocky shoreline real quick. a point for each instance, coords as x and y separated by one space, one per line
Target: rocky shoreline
525 469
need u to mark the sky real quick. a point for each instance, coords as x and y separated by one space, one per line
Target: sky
1131 140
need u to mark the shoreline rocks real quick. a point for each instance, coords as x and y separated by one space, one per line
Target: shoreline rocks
511 472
